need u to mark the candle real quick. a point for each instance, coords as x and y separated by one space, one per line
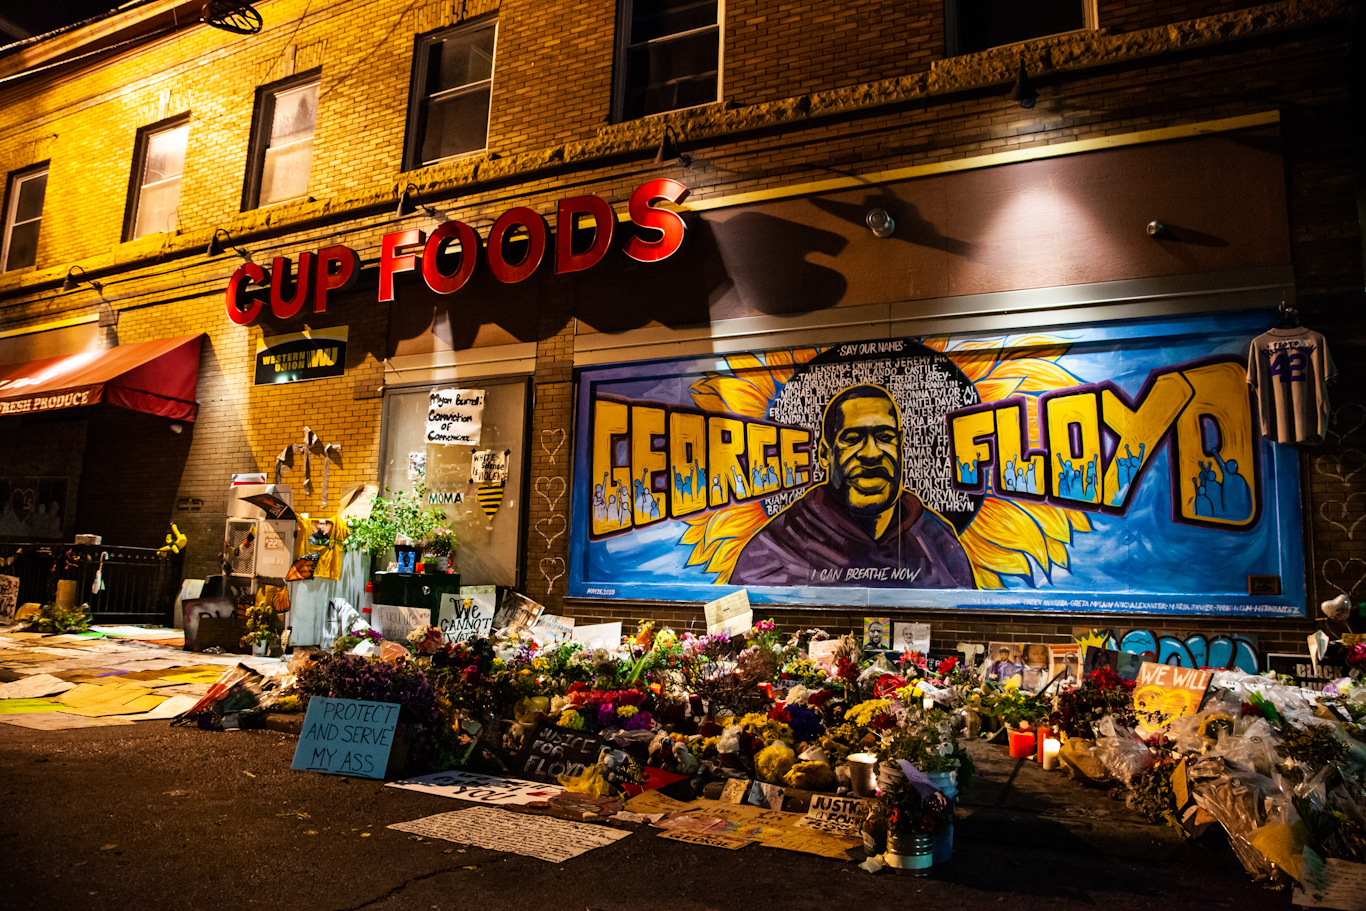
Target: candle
1044 732
929 703
863 774
1051 746
1022 744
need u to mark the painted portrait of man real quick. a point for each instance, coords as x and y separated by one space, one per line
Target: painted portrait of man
859 527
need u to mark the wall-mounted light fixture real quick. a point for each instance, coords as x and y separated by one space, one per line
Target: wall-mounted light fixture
410 200
1156 228
236 16
668 149
1023 91
73 282
217 246
880 222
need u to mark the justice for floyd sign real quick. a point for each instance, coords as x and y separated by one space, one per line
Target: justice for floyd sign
346 737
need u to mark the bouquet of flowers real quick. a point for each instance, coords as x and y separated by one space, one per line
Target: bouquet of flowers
910 813
1102 693
426 640
1013 706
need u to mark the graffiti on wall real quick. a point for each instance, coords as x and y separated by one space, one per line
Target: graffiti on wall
1220 651
1115 469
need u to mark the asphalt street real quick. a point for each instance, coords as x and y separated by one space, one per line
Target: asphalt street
149 816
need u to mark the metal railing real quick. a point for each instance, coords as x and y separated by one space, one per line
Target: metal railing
140 585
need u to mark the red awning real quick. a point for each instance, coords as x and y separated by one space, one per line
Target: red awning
160 377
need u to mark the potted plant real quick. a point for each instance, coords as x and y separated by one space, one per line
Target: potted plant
438 550
915 814
260 636
400 521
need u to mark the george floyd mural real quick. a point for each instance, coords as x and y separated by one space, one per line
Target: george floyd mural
1107 468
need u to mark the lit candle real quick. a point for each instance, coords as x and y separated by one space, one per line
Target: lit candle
929 703
1051 746
863 774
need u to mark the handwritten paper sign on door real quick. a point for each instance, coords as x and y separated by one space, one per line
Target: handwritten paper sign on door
455 416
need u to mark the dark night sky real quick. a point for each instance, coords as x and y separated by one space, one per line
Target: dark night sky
35 18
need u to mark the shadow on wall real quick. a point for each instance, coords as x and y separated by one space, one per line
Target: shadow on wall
911 228
133 465
751 263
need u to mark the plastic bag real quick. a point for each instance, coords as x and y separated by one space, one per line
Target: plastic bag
1078 758
1124 756
1234 805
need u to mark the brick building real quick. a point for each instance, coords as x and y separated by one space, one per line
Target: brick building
1085 190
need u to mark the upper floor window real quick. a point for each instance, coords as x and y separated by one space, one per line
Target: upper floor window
448 112
23 216
282 141
154 195
668 56
975 25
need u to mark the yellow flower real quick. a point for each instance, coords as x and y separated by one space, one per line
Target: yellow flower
864 713
626 711
570 719
540 664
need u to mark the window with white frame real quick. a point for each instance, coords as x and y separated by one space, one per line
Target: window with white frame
668 56
976 25
282 141
23 217
448 111
158 163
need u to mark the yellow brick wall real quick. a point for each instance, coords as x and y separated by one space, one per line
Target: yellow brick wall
552 90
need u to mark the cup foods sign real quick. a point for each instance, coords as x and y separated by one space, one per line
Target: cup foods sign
336 268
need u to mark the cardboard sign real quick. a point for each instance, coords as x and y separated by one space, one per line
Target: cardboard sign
274 507
346 737
550 628
455 417
490 467
771 828
1330 883
911 637
476 788
729 842
461 618
395 623
516 613
543 837
599 635
824 653
1165 692
730 615
553 751
735 790
9 596
763 794
842 815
